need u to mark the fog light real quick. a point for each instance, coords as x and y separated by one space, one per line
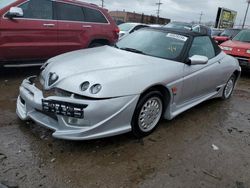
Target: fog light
72 121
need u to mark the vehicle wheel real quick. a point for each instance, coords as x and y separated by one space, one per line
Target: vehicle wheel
228 90
147 114
95 44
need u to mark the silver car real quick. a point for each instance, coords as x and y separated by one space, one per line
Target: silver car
151 74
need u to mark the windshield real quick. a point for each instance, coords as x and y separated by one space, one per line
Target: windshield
5 3
154 43
126 26
243 36
229 33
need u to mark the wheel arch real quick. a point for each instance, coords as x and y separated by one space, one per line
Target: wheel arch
163 90
100 41
237 74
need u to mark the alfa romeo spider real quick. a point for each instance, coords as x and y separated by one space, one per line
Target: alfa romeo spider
153 73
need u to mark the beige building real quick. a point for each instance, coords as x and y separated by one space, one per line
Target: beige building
139 18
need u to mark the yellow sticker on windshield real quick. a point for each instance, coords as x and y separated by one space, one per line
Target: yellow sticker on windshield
176 36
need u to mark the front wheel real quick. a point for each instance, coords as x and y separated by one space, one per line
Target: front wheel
228 90
147 114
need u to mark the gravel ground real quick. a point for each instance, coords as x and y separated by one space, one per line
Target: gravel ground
207 146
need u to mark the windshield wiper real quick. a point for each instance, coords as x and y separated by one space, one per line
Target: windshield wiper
133 50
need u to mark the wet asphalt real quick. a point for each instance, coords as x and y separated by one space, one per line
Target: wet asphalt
207 146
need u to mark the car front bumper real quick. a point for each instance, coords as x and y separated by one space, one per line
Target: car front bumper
102 117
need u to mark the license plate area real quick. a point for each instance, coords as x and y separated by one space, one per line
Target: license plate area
64 108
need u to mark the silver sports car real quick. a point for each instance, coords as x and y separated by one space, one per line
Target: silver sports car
151 74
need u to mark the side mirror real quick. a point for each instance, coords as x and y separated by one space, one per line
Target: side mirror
198 60
15 12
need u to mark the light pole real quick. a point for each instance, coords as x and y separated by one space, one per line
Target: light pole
158 10
102 3
243 25
201 14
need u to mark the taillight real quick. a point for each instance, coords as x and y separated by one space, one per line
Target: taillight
117 30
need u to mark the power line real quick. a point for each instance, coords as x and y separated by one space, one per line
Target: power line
201 14
158 10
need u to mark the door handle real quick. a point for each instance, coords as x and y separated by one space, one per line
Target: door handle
86 26
48 25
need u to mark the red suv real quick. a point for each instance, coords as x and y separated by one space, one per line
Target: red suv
32 31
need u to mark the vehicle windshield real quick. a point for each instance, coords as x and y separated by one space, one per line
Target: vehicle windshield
5 3
229 33
243 36
126 26
154 43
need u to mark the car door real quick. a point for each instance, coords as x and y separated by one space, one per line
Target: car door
72 31
202 80
32 36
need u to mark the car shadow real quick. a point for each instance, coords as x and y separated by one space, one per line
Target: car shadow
10 73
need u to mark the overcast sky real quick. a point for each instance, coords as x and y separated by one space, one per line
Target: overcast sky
180 10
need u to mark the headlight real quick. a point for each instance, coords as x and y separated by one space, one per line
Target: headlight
226 48
84 86
95 88
248 51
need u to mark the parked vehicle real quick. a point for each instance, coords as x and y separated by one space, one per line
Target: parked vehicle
191 27
202 29
216 32
151 74
119 22
128 28
227 34
179 25
36 30
239 47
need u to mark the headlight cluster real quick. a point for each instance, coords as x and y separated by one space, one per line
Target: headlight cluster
94 89
248 51
226 48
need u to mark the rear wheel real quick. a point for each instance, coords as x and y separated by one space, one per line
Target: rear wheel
228 90
147 114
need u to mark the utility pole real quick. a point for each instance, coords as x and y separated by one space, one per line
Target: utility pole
102 3
158 10
201 14
244 22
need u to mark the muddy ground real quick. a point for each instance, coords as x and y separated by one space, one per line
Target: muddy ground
207 146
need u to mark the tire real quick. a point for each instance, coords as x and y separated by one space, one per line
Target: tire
95 44
150 105
229 87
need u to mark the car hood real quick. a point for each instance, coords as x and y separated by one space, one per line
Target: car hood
119 72
236 44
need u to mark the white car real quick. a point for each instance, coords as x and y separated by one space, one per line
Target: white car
128 28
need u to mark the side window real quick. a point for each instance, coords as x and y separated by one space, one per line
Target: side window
69 12
92 15
202 46
38 9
